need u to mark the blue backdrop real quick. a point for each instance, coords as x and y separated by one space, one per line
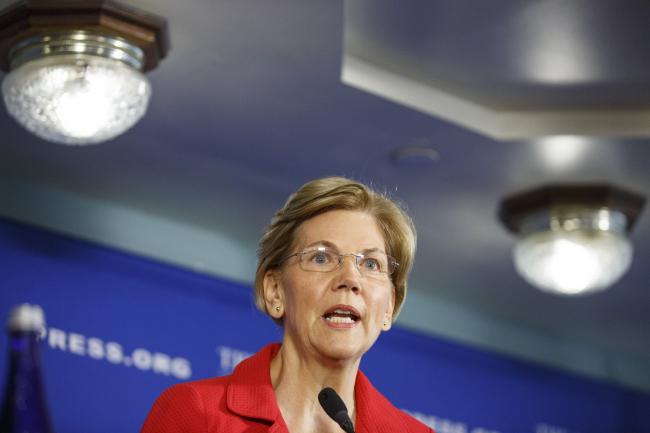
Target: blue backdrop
122 328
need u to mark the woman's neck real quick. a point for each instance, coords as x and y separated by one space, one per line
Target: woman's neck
297 378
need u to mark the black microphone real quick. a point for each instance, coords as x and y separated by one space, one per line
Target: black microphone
335 408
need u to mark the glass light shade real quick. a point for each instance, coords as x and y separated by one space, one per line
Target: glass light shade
77 98
573 262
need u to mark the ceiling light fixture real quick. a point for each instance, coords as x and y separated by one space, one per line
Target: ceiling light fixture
572 238
76 67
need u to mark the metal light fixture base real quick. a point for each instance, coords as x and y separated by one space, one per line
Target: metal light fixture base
33 18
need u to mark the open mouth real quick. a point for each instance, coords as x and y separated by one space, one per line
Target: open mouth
341 315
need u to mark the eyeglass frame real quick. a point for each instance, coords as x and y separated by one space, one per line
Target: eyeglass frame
392 263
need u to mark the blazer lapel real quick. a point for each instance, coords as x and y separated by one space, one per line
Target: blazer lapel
375 414
250 393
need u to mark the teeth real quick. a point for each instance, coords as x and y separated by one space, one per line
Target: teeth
336 319
338 311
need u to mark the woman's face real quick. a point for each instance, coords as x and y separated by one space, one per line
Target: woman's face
316 306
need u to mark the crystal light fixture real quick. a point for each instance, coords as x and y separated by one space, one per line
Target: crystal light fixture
572 238
76 68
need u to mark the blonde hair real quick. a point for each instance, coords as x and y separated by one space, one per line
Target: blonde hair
333 193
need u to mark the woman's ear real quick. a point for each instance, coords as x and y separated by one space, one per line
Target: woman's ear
388 315
273 297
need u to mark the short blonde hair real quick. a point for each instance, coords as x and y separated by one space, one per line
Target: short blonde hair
338 193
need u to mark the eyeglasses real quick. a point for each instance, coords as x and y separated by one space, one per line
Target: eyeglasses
374 264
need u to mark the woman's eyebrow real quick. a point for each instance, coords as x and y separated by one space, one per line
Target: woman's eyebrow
372 250
323 243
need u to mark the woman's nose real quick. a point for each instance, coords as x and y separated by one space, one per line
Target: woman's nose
354 261
349 273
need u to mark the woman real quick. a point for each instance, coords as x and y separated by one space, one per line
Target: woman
332 272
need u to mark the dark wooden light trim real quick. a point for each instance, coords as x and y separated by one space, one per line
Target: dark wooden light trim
33 17
515 207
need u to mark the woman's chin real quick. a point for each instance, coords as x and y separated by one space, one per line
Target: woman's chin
343 350
341 356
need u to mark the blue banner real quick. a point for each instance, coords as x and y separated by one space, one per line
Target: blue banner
122 328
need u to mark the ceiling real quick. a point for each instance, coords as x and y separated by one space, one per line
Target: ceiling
250 104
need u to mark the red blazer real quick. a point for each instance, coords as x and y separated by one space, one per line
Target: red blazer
244 402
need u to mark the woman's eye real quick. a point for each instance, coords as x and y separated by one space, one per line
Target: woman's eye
320 258
372 264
